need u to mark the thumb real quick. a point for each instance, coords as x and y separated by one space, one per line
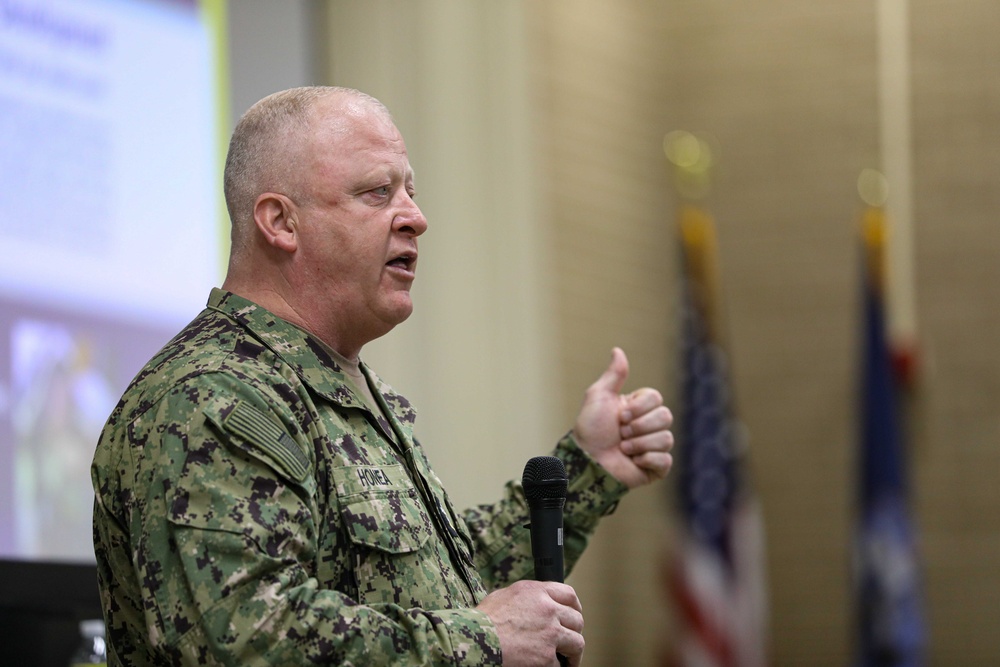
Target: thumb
613 378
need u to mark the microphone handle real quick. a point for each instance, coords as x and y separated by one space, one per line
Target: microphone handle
547 551
547 543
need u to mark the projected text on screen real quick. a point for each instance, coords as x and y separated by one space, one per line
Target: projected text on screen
109 224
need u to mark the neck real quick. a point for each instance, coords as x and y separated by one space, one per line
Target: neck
277 302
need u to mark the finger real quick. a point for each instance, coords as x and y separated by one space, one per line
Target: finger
639 402
654 464
659 441
653 421
571 645
613 378
565 595
571 619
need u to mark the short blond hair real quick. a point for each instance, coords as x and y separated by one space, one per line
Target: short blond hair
265 140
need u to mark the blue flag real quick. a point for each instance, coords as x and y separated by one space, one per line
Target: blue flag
891 629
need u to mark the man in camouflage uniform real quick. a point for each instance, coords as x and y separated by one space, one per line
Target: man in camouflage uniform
260 498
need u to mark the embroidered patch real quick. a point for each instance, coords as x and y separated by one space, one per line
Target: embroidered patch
254 426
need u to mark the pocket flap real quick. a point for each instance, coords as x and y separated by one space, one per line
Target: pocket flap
381 509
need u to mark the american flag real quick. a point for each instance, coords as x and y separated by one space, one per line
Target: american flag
717 578
891 628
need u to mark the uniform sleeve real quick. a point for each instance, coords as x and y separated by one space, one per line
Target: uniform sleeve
503 543
225 536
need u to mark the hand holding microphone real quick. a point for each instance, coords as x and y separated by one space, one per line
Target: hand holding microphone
538 618
545 483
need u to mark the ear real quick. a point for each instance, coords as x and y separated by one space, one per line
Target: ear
276 218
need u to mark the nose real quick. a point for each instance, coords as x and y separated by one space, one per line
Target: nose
410 219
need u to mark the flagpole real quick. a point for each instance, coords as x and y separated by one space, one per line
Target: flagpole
895 139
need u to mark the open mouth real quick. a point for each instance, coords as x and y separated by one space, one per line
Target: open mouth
405 262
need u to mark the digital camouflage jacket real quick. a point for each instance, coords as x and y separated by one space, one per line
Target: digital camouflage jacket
251 510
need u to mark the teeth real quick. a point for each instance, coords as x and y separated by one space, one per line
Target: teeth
402 260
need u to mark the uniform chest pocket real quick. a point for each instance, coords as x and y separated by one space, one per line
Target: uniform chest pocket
381 509
390 521
389 531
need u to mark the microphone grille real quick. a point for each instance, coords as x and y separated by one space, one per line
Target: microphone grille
544 477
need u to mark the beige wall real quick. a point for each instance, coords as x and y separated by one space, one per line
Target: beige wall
535 130
601 100
956 120
476 358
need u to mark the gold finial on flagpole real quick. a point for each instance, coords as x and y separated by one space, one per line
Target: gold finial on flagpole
873 187
692 158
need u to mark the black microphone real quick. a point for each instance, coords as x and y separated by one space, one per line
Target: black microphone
544 481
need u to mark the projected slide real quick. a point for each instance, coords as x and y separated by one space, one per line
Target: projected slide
109 227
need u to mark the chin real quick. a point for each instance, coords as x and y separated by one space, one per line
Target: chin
398 311
404 314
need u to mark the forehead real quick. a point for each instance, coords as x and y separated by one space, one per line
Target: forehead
354 138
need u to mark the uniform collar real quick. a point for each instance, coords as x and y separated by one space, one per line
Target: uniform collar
309 358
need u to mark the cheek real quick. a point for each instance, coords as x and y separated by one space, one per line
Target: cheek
359 265
349 252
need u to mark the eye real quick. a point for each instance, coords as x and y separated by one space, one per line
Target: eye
382 191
